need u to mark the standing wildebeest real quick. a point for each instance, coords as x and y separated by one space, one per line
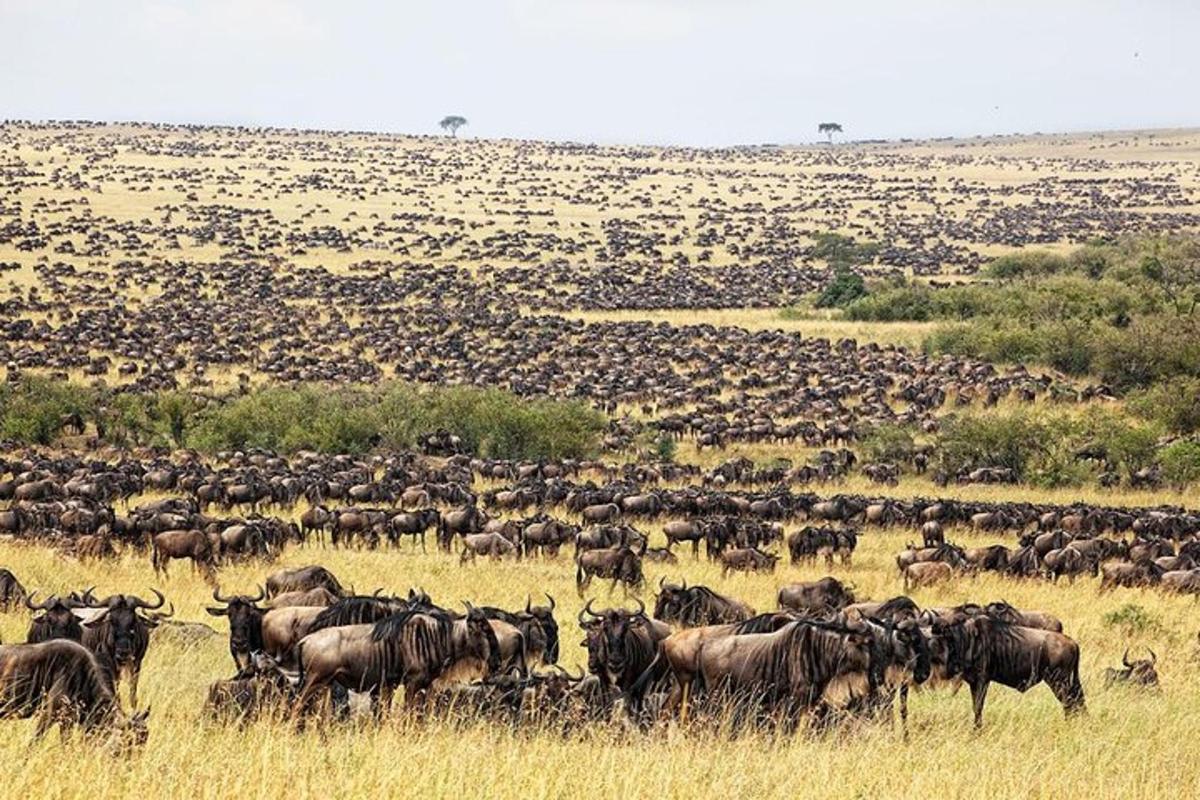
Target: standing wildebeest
789 671
1137 673
693 606
926 573
245 624
983 650
301 579
603 512
547 536
621 645
538 627
410 649
179 544
932 534
119 636
618 564
61 682
684 531
319 596
818 597
462 521
11 590
414 524
492 545
747 559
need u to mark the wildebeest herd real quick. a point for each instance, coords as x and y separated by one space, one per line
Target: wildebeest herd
305 644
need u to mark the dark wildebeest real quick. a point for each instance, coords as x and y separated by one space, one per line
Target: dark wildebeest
932 534
178 544
61 682
900 646
11 590
120 636
618 564
245 624
983 650
816 598
684 531
1141 573
692 606
410 649
547 536
57 620
621 646
301 579
747 559
786 672
603 512
1135 673
538 627
461 521
413 523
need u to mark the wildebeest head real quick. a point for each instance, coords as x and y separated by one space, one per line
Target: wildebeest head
481 639
912 648
544 617
245 624
122 631
1140 672
670 600
56 620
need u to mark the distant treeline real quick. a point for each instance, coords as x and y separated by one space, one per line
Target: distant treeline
332 419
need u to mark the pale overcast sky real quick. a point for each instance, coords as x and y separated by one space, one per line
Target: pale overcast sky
646 71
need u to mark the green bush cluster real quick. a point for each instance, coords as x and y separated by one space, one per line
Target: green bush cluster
330 419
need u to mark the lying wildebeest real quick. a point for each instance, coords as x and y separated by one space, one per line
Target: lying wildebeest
982 650
619 564
1137 673
747 559
492 545
260 687
245 624
1141 573
301 579
816 598
410 649
787 672
926 573
119 635
179 544
12 592
692 606
61 682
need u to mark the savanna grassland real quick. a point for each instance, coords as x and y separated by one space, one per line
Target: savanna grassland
199 267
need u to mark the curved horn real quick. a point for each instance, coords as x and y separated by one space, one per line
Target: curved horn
550 597
138 602
528 604
1153 657
36 606
216 595
641 606
684 586
262 594
661 579
1125 658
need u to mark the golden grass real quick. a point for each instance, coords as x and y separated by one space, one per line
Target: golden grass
1130 744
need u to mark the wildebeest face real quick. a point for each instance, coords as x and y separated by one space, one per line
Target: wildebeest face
544 616
245 625
915 647
482 642
669 602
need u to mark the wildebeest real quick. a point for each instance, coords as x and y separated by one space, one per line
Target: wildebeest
61 682
261 686
319 596
11 590
816 598
926 573
57 619
747 559
183 544
537 626
621 645
492 545
1136 673
245 624
413 523
410 649
619 564
301 579
983 650
119 635
692 606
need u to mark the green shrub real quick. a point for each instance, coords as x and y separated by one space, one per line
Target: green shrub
846 287
1180 463
32 409
888 442
1133 619
1027 264
1174 403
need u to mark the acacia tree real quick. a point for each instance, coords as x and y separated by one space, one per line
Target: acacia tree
452 123
829 129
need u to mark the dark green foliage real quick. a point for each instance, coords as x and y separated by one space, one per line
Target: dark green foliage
888 442
1181 463
32 409
1173 403
846 287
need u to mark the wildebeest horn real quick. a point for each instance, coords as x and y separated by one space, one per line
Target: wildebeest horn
262 593
641 606
661 579
1153 657
42 606
587 609
528 603
216 595
1125 658
550 597
138 602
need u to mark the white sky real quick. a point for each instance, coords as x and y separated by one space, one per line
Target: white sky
648 71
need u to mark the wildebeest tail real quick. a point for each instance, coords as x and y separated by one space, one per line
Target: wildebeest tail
636 692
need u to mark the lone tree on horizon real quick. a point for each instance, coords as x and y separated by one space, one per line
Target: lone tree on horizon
452 123
829 129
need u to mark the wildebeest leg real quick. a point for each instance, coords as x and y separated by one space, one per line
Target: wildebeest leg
132 673
904 710
978 698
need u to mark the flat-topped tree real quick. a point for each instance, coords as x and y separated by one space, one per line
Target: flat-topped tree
829 129
452 123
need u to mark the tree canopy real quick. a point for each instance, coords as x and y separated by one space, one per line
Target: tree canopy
452 123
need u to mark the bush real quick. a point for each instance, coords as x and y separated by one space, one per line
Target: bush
1174 403
888 442
1180 463
846 287
665 448
1028 264
32 409
994 438
1133 619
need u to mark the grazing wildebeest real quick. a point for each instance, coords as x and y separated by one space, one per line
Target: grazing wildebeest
789 671
120 636
1136 673
816 598
410 649
245 624
301 579
61 682
11 590
618 564
179 544
492 545
982 650
692 606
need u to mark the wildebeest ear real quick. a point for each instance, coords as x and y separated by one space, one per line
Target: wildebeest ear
216 612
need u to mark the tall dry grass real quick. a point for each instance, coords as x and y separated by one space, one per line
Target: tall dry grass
1130 744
